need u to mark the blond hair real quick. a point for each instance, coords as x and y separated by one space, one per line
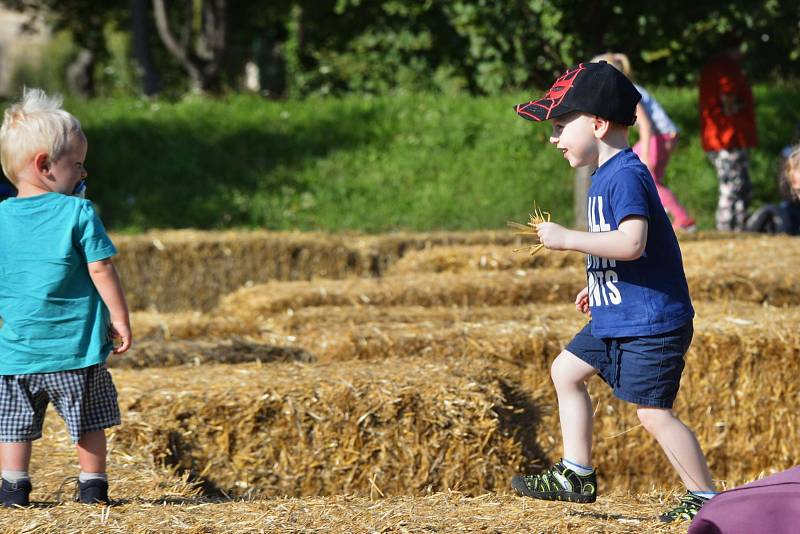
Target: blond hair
616 59
791 171
35 124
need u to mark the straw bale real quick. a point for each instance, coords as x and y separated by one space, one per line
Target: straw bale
398 426
737 393
446 289
480 257
342 333
758 269
515 335
703 253
772 280
151 499
182 270
186 269
444 512
236 349
187 325
331 333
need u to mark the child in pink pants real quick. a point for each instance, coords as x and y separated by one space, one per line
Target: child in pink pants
658 137
660 145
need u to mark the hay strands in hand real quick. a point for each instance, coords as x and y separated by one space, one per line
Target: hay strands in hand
537 217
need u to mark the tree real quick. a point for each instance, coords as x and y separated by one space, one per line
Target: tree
151 81
200 45
85 20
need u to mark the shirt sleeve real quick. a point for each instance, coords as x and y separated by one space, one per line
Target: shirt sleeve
628 196
93 239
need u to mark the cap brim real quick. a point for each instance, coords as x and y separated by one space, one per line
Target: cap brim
540 110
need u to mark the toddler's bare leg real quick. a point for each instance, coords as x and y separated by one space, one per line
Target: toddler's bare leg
680 445
92 452
15 456
569 375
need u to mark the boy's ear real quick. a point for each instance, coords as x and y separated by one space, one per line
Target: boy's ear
600 127
41 161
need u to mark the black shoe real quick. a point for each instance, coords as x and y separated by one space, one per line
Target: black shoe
686 510
16 493
559 483
93 491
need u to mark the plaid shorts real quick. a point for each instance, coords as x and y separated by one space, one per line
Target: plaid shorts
85 398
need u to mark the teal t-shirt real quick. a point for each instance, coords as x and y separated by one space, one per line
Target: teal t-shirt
53 316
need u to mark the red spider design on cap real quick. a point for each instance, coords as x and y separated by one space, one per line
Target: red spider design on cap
553 98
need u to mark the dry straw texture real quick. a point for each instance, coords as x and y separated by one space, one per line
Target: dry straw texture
434 377
752 268
490 288
738 358
390 428
530 230
190 270
449 512
149 499
153 501
772 281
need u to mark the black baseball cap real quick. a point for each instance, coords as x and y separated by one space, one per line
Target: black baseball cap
594 88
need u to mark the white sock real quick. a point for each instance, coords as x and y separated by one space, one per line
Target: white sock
581 470
704 494
14 476
84 476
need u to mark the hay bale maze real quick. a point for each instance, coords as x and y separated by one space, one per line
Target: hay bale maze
291 382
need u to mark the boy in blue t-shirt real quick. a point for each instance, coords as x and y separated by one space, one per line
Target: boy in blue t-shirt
61 300
636 296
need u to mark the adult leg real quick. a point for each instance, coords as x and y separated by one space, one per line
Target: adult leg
569 374
680 445
742 187
734 188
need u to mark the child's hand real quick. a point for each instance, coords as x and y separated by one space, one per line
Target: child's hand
121 330
552 235
582 302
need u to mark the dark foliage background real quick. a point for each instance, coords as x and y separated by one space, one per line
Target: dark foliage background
479 46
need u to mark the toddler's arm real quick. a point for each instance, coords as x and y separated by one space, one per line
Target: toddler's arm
106 280
625 244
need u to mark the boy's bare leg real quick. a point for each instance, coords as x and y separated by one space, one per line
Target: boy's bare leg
569 375
680 445
15 456
92 452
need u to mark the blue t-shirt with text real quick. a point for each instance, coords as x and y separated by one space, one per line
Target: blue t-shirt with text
53 317
646 296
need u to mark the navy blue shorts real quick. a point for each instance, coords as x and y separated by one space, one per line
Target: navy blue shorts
644 370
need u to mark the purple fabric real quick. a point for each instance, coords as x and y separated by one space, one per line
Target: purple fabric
768 505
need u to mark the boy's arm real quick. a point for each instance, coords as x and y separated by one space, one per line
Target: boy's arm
106 280
625 244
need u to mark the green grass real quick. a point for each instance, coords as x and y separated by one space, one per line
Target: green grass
416 162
